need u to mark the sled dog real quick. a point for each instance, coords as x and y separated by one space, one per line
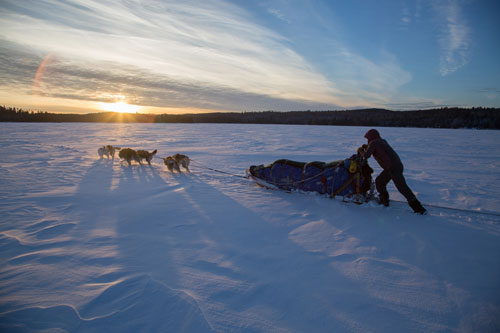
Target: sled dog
176 161
144 154
107 151
103 151
128 155
182 160
112 150
171 164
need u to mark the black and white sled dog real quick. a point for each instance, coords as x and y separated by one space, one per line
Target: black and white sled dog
103 151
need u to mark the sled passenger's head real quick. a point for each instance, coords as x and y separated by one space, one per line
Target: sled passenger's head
372 135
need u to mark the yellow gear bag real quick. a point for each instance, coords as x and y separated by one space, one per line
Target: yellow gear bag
353 167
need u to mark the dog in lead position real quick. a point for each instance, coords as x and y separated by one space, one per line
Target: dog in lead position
176 161
171 164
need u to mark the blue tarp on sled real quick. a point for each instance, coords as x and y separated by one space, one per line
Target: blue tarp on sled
324 178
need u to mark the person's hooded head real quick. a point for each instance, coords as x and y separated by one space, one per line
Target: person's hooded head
372 135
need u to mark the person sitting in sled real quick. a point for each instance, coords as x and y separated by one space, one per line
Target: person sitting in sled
392 170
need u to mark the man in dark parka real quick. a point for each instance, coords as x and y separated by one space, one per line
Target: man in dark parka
392 170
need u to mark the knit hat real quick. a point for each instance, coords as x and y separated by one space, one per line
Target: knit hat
372 135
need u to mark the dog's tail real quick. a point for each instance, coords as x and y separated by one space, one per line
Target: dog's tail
154 152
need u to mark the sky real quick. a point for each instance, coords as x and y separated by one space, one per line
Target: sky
202 56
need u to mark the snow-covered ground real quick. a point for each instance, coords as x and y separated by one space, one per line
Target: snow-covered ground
95 245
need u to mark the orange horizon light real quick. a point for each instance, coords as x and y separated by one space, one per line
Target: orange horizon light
120 107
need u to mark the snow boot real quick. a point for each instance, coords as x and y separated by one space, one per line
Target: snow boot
383 200
417 207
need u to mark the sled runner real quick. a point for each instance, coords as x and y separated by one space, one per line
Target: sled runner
349 178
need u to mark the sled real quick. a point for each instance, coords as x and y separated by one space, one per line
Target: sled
349 178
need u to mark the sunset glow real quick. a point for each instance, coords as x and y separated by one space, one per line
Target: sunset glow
121 107
228 56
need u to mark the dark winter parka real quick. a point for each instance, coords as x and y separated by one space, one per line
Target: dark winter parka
382 151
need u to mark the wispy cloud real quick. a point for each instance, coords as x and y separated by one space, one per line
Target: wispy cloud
191 53
206 43
359 79
103 81
489 90
421 105
279 14
490 93
377 82
454 36
406 16
418 9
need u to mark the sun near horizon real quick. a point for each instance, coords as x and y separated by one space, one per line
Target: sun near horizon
120 107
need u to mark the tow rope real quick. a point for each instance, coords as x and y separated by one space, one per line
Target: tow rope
207 168
219 171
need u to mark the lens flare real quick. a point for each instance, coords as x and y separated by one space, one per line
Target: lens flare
35 89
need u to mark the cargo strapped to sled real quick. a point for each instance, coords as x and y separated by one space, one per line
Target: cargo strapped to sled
344 177
355 175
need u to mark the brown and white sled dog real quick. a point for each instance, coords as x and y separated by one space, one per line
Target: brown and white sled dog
182 160
144 154
177 160
171 164
128 155
112 150
107 151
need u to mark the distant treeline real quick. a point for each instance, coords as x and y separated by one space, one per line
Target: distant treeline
481 118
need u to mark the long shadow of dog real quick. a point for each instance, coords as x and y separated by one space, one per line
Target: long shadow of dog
121 256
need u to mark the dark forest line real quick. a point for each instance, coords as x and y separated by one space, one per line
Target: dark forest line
480 118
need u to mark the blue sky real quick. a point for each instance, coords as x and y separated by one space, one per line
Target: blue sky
196 56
